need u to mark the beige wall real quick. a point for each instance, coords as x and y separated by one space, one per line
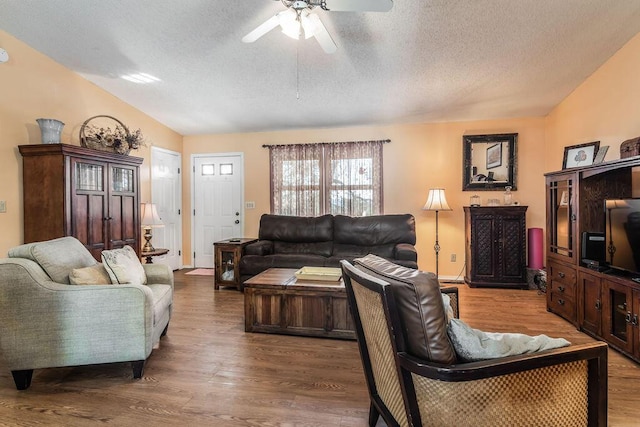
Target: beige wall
419 157
605 108
33 86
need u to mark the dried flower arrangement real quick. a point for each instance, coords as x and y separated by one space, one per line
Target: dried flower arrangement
119 139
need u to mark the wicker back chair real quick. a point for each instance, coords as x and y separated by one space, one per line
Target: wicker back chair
562 387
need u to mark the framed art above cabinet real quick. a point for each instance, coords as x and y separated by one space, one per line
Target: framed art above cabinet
489 162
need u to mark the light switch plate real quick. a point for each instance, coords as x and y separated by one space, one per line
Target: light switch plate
250 205
3 206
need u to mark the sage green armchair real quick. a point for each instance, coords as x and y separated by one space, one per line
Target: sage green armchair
47 322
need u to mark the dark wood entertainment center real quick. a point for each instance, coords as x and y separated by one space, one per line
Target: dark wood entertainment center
602 303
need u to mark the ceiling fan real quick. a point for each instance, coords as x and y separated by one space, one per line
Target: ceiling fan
297 20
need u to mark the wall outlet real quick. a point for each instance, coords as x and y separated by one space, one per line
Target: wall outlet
453 257
3 206
250 205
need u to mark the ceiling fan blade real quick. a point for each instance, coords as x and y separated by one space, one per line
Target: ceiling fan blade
262 29
322 35
359 5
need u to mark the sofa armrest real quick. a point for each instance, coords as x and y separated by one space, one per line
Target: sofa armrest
158 274
261 247
406 252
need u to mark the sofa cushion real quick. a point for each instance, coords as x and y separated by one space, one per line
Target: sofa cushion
374 230
250 265
312 248
123 266
422 313
57 257
356 251
296 228
474 345
94 275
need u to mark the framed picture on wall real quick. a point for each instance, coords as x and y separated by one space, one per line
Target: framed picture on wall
489 162
580 155
494 156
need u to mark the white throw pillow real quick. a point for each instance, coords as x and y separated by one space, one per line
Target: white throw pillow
123 266
473 344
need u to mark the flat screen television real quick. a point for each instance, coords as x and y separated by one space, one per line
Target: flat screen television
622 234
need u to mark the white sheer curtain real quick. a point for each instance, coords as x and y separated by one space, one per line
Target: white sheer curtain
338 178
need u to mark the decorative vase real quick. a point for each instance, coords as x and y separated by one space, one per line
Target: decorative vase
508 197
51 130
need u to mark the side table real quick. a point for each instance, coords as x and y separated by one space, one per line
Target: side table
156 252
227 254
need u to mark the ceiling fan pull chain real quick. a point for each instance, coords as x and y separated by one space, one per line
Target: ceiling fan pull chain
298 70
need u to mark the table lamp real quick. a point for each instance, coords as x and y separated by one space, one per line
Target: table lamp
150 219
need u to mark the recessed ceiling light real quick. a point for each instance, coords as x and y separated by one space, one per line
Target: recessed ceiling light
141 78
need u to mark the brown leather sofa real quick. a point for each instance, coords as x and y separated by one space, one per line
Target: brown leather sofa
295 242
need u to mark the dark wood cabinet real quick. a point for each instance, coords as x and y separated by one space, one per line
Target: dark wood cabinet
606 304
75 191
561 290
495 247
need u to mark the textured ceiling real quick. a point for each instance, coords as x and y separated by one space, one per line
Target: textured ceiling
425 60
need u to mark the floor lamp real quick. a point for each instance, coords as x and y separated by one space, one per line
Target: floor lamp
436 201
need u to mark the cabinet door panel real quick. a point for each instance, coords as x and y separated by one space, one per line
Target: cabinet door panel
590 303
617 306
512 246
123 208
484 248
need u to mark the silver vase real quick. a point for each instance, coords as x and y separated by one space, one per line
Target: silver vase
51 130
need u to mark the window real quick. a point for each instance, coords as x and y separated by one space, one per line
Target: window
337 178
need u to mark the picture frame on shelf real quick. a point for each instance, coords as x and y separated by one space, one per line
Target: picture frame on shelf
580 155
602 152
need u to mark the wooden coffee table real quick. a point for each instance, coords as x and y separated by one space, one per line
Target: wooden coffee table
276 302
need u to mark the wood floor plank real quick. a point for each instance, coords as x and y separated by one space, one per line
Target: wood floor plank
208 372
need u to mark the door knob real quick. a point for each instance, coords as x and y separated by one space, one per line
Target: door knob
237 221
237 213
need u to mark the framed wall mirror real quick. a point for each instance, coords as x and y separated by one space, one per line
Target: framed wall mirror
489 162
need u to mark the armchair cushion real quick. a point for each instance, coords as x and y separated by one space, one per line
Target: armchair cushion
421 308
93 275
123 266
474 345
57 257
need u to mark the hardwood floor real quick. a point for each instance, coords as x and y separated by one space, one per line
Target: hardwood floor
208 371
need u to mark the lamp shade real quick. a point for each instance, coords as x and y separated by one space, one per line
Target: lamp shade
436 201
150 216
616 204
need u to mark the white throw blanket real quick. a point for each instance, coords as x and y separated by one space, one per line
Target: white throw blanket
472 344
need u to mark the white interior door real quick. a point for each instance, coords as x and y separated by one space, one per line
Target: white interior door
217 203
166 184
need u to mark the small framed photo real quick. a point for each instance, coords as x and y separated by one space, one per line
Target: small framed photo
580 155
494 156
602 152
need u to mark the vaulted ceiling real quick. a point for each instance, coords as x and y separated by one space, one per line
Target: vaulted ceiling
423 61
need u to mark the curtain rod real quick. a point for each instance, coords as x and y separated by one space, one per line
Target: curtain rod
384 141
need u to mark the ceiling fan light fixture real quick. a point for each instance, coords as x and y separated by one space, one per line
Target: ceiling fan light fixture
293 23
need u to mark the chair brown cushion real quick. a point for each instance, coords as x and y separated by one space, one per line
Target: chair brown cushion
421 310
